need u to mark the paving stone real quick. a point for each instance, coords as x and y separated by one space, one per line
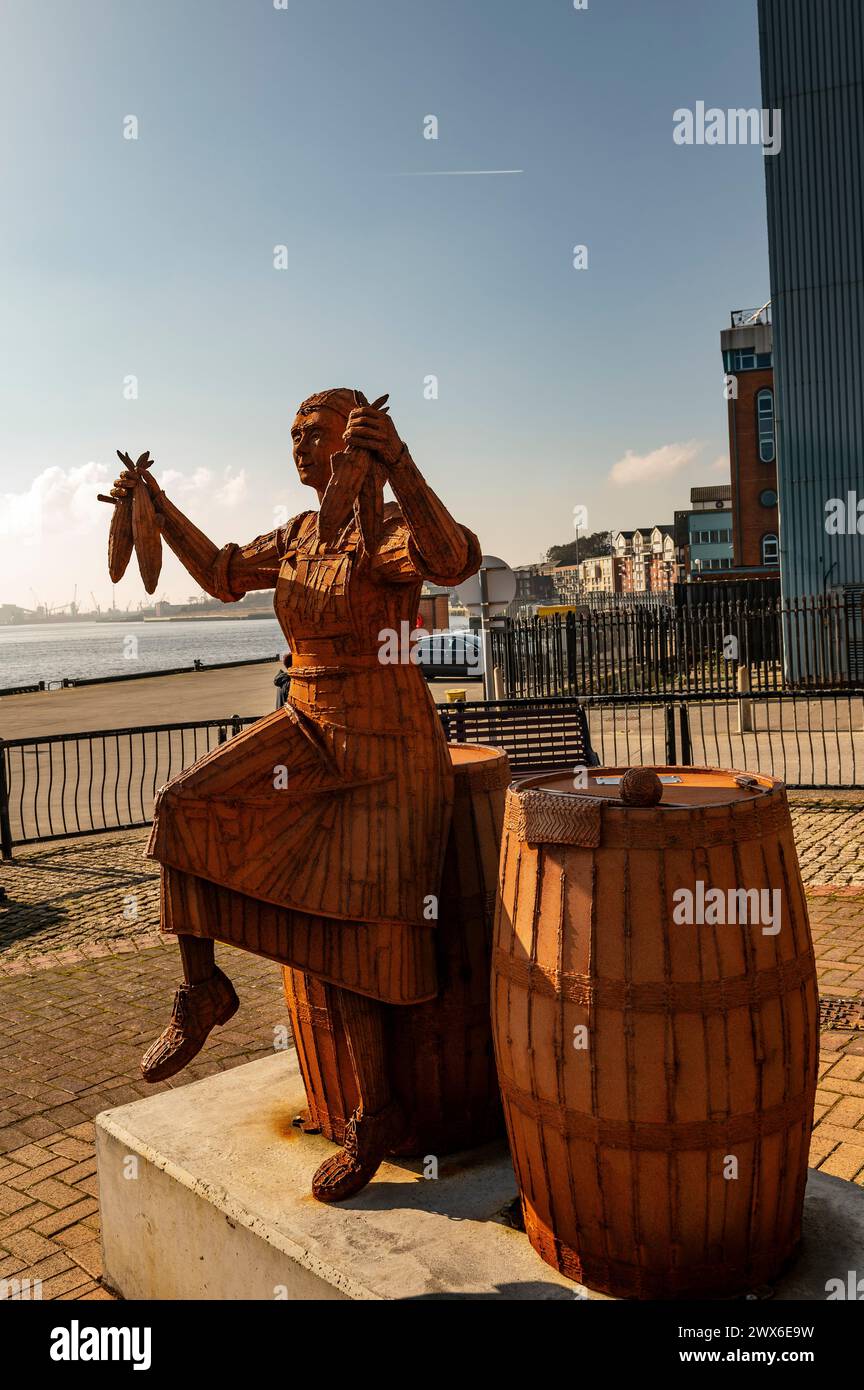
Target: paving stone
66 1284
846 1161
33 1175
59 1220
34 1211
55 1193
30 1245
79 1234
57 1263
89 1256
32 1156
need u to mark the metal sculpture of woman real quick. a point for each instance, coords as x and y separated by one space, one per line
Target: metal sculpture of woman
316 836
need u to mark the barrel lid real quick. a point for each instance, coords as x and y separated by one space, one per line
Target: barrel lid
470 753
682 786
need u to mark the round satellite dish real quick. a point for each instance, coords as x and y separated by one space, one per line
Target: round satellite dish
500 582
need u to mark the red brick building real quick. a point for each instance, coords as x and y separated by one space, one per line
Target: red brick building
747 348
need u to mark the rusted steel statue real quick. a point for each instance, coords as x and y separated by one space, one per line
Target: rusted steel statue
317 837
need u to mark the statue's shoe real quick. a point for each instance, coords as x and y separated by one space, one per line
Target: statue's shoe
197 1009
367 1139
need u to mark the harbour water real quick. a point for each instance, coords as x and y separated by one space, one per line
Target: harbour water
54 651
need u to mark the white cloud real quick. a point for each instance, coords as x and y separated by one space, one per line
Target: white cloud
57 502
54 533
233 490
185 484
201 484
660 463
721 464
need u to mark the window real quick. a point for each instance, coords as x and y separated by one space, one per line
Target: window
768 498
746 360
770 550
765 424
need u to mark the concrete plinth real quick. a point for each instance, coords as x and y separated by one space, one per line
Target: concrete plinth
205 1193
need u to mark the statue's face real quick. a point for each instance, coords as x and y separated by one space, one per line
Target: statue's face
315 437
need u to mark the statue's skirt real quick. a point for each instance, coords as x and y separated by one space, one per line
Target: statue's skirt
394 963
316 846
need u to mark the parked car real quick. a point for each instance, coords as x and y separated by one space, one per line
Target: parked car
451 654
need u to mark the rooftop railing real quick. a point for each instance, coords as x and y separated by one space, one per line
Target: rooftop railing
743 318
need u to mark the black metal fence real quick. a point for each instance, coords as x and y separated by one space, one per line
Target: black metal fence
814 643
77 784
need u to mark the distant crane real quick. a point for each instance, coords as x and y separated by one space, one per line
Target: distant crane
96 608
71 604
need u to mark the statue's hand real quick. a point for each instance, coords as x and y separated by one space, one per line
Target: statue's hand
134 475
372 429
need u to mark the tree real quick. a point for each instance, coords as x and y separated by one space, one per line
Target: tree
586 548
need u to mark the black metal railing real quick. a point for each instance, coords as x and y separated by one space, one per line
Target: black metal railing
712 645
78 784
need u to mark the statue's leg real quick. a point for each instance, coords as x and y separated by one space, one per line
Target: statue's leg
206 999
378 1122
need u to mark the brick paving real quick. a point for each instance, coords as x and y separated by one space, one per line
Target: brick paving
829 835
86 984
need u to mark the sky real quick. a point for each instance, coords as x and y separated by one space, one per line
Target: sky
144 307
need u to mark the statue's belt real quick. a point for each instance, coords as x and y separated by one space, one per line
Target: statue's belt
307 665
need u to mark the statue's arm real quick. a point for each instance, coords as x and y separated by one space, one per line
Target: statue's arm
443 549
227 573
437 547
196 552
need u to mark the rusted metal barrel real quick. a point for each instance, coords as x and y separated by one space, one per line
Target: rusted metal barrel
656 1019
440 1053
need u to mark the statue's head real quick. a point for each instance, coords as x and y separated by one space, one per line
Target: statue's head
317 433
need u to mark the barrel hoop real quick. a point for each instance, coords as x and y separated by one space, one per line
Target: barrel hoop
698 828
658 996
535 817
490 775
672 1137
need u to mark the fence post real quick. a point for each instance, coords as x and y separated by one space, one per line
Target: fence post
671 759
686 758
745 707
460 721
5 827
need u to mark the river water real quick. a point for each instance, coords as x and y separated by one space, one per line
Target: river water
52 651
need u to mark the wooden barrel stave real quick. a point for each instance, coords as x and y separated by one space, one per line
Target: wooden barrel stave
322 1051
440 1052
621 1160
